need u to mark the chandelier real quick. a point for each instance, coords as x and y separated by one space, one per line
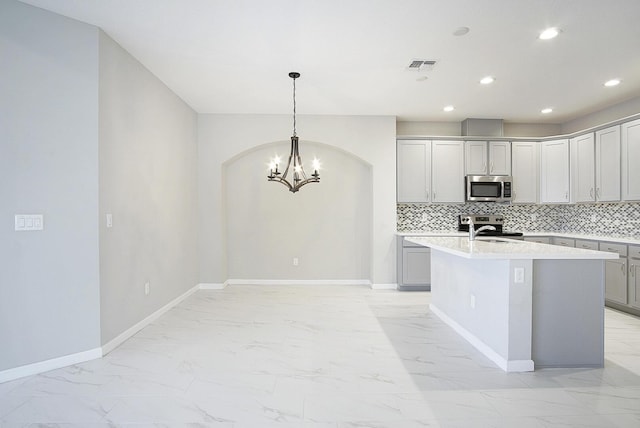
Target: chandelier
294 176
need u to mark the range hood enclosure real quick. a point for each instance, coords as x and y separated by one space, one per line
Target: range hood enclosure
482 128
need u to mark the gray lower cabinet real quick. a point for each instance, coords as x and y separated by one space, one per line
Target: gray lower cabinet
587 245
634 276
615 274
414 266
564 242
538 239
615 277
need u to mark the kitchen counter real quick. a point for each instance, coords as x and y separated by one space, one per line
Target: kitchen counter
523 304
587 237
505 249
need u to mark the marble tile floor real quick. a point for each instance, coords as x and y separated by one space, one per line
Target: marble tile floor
332 356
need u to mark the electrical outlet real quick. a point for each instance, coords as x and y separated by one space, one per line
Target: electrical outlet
534 217
425 217
518 275
594 218
147 288
109 220
472 301
295 261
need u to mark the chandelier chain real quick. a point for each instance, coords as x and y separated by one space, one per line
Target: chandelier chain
294 107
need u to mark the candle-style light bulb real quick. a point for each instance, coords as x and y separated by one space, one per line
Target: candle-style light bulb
315 164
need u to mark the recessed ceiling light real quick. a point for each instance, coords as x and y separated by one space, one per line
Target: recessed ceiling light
546 110
612 82
448 108
549 33
461 31
487 80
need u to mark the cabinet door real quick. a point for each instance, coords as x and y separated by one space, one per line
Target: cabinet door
634 283
583 167
475 157
630 161
416 266
608 164
447 171
615 280
499 158
554 171
413 171
524 161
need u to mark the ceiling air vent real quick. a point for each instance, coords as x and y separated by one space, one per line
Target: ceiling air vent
421 65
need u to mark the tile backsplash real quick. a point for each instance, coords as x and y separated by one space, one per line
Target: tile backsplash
611 219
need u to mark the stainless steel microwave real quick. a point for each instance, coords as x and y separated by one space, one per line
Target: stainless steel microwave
489 188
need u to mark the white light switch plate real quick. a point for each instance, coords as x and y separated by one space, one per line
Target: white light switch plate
29 222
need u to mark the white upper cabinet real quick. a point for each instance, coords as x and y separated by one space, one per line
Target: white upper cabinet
447 171
475 157
499 158
487 158
413 171
554 171
524 166
583 180
608 164
631 161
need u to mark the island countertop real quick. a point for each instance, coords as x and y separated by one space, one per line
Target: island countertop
506 249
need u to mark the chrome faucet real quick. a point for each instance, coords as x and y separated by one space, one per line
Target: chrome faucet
473 231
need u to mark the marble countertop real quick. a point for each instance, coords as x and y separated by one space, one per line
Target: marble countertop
505 249
455 233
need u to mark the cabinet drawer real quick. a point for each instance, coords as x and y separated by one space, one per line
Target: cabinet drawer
588 245
564 242
614 248
538 239
634 252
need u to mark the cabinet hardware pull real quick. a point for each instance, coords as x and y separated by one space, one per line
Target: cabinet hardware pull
566 195
598 195
492 166
591 192
624 271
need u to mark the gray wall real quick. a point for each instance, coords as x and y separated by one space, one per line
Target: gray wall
326 225
49 285
148 182
223 138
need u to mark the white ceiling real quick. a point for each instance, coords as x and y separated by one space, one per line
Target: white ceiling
233 56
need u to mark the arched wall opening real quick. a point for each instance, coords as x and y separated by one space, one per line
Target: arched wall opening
326 226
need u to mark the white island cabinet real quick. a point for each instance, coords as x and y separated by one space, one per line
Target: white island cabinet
522 304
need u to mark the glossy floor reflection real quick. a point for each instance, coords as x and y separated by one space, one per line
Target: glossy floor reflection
333 356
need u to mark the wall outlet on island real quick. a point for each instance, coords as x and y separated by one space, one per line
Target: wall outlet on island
147 288
295 261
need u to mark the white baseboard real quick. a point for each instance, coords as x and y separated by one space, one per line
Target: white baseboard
503 363
384 286
298 282
122 337
212 286
52 364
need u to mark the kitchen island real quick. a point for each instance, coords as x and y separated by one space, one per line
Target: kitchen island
522 304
